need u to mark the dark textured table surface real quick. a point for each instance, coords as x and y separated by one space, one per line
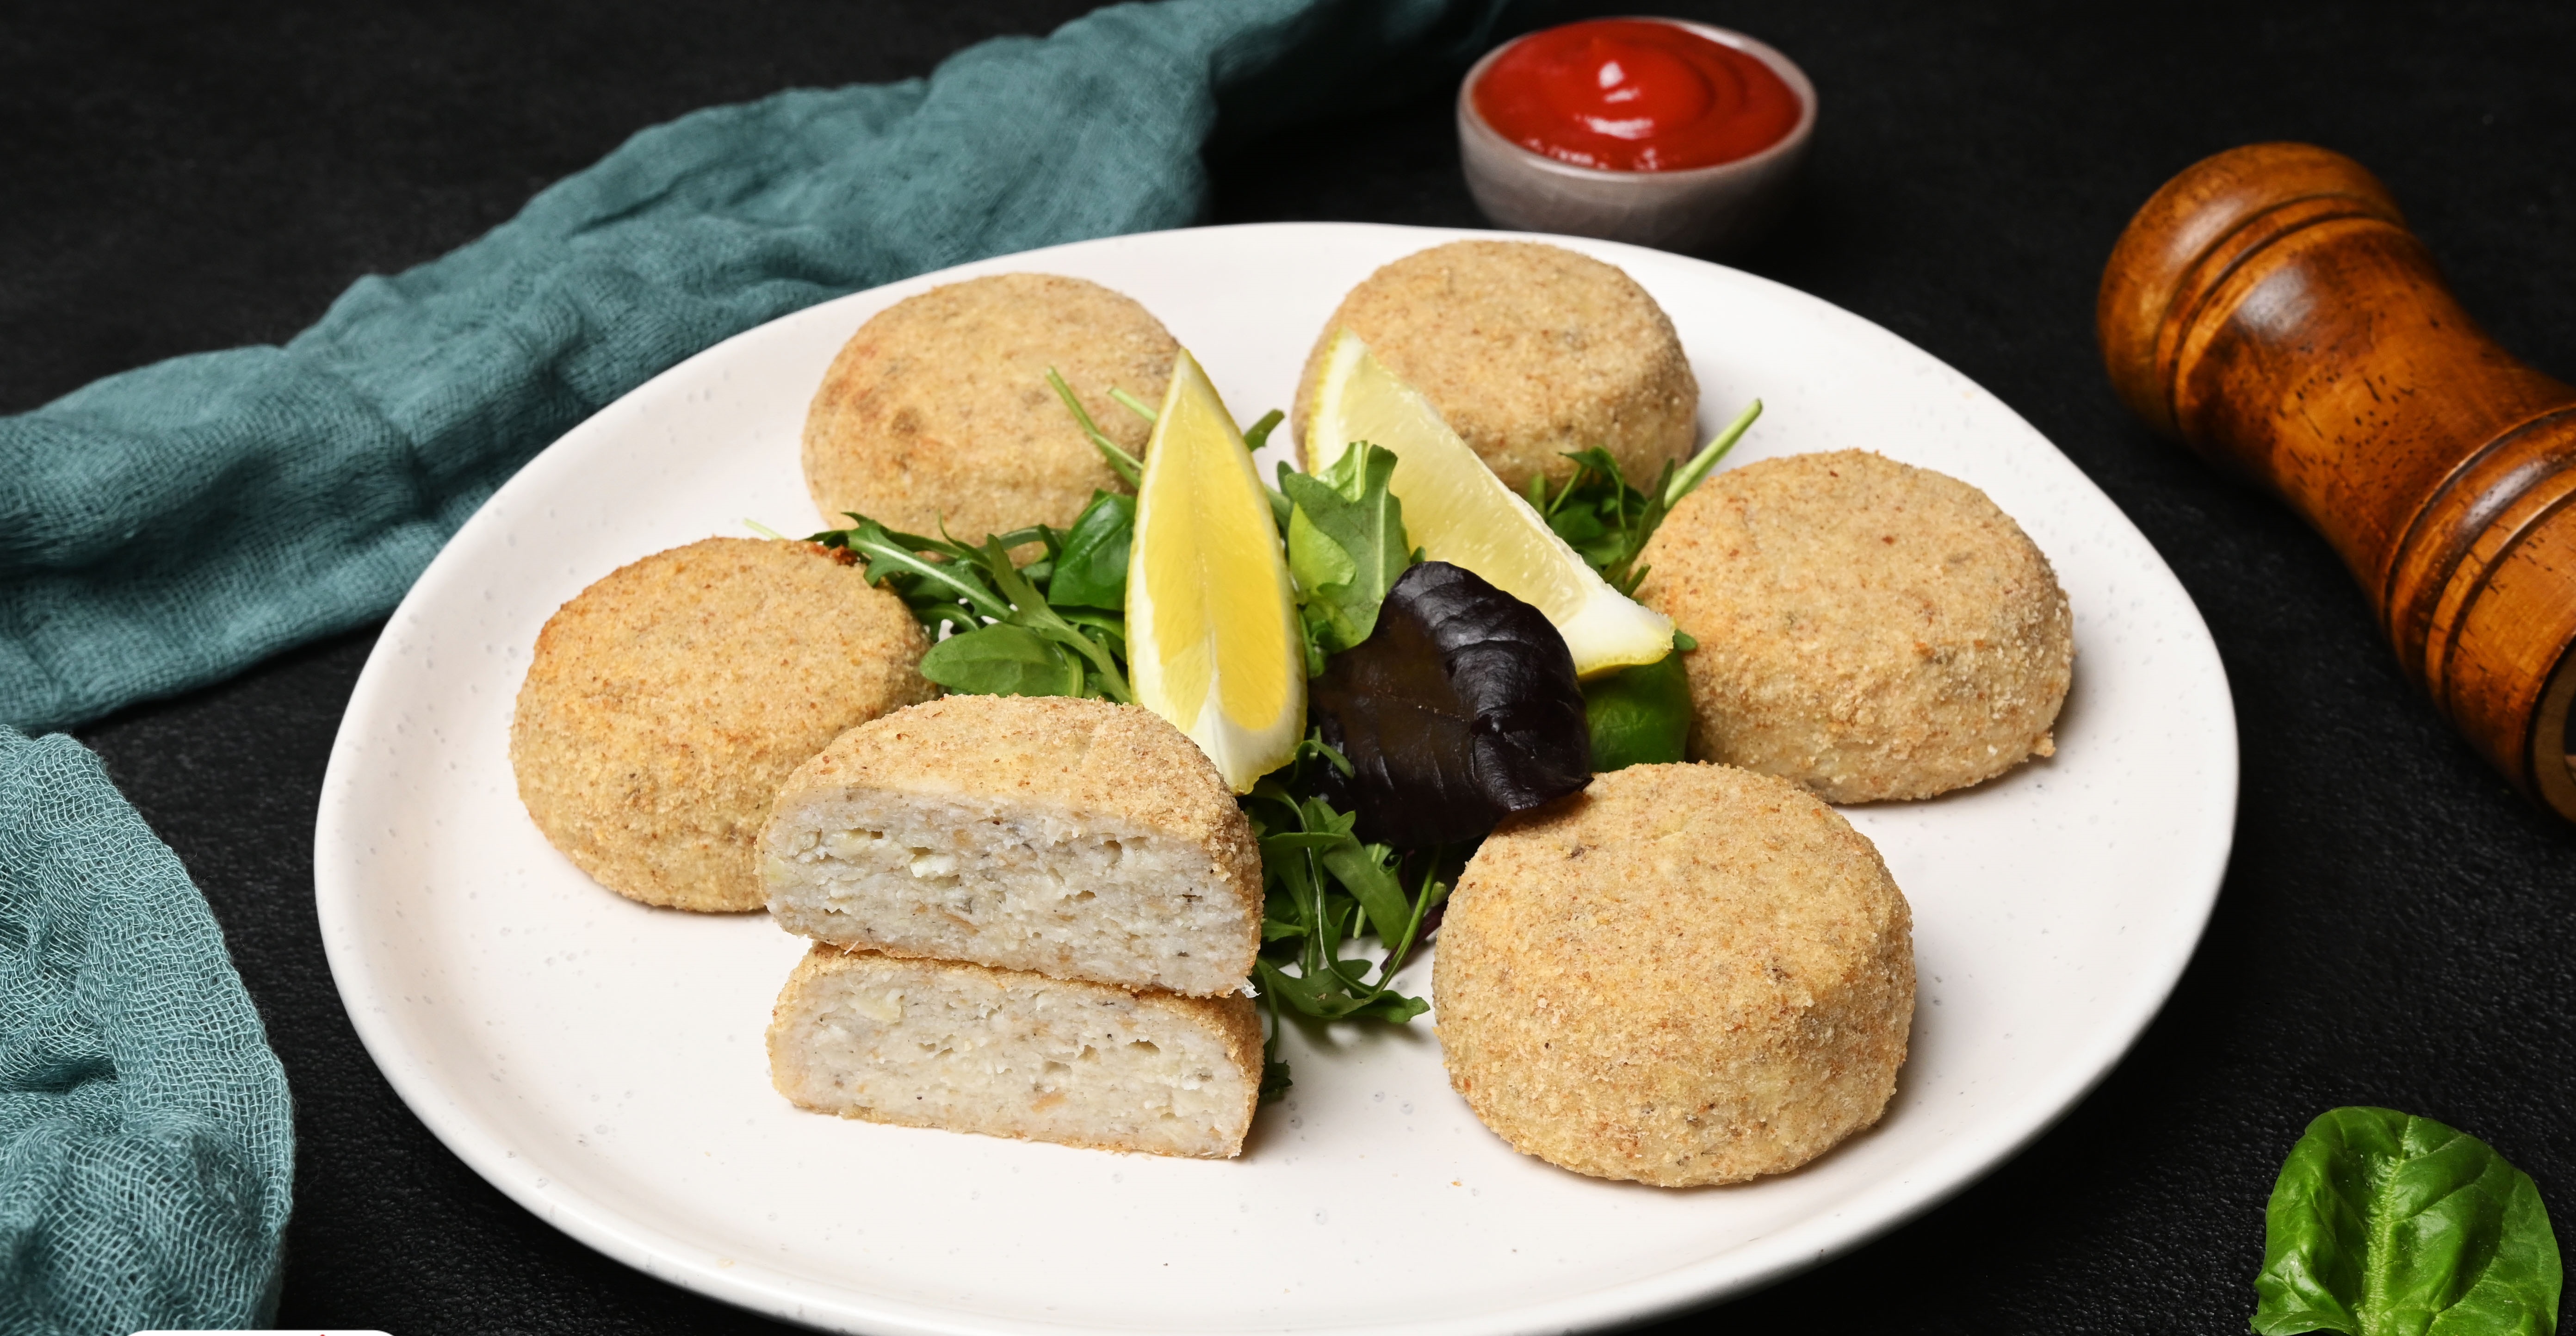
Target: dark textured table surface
2396 927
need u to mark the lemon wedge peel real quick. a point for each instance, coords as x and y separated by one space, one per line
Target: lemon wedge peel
1457 511
1212 637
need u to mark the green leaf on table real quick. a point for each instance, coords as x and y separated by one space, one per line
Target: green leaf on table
1092 572
1003 660
1640 715
2385 1224
1346 543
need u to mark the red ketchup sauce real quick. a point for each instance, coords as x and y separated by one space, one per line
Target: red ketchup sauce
1634 95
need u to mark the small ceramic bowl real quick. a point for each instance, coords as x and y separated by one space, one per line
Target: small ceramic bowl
1703 210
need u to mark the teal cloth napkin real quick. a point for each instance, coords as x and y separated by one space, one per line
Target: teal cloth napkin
165 528
146 1143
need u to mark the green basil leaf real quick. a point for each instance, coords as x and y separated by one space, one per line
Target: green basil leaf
1002 660
1639 716
1092 572
2384 1224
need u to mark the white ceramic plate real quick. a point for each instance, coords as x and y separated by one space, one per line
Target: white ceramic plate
601 1062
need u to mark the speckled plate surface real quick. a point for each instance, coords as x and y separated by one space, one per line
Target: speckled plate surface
601 1062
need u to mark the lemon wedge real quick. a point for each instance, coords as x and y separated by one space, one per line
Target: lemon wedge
1212 641
1457 511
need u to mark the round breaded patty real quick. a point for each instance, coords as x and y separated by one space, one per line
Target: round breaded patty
938 408
1528 351
1866 628
1686 974
666 703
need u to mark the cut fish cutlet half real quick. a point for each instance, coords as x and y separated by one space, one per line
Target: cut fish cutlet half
936 1043
1073 838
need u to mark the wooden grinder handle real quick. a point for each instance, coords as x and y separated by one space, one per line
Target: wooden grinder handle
2270 308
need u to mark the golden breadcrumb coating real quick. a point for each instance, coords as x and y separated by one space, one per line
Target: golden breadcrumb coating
1866 628
965 1048
1528 351
1684 975
665 703
938 407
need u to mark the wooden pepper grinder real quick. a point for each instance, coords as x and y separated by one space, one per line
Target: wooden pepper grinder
2269 307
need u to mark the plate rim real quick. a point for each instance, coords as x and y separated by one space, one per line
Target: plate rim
762 1288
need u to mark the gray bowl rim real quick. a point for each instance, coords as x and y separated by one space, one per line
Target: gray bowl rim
1799 85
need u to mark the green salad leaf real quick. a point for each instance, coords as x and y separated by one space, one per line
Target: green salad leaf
1090 570
1607 520
1126 466
1005 636
1324 889
1640 715
2385 1224
1055 624
1346 545
1003 660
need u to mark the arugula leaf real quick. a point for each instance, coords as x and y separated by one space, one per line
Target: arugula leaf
1029 609
957 592
2384 1224
1134 405
1324 887
1601 516
1003 660
1346 544
1259 432
925 572
1640 715
1091 572
1055 626
1253 435
1126 466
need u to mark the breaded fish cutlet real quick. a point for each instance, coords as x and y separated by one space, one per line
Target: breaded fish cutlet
937 410
1866 628
1528 351
665 703
1075 838
1686 975
937 1043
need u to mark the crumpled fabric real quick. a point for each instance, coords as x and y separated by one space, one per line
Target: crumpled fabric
164 528
146 1143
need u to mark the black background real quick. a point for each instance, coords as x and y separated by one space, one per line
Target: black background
2395 927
